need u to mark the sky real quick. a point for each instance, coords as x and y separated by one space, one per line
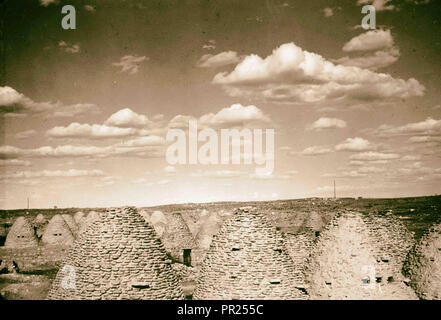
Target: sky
85 112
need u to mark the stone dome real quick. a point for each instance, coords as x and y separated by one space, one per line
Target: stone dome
344 263
247 260
118 257
177 235
423 265
78 218
210 225
57 232
21 234
71 224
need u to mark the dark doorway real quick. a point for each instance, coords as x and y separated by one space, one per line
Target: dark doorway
187 257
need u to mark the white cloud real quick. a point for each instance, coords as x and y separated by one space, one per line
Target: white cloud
345 174
315 151
95 131
130 64
377 60
328 123
89 7
127 118
354 144
328 12
211 45
46 3
380 5
13 103
69 47
236 114
373 156
370 40
291 74
427 127
218 60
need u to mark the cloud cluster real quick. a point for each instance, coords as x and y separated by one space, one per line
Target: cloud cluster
95 131
127 118
15 104
236 115
380 5
354 144
130 64
328 123
219 60
380 41
293 75
69 47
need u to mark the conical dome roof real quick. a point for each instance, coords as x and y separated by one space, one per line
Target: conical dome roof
424 265
247 260
40 222
159 222
71 224
21 234
78 218
299 246
344 264
118 257
314 222
57 232
177 235
88 220
210 225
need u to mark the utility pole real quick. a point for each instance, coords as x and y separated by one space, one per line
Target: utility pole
28 203
335 195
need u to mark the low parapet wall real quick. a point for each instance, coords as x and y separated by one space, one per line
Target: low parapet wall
34 258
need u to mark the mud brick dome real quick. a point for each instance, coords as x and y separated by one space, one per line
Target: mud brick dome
247 260
119 256
344 263
424 265
21 234
57 232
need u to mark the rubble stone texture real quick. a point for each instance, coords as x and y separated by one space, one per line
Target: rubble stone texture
88 220
344 263
299 246
314 222
159 222
118 257
21 235
247 260
423 265
78 218
39 224
57 232
210 225
177 236
71 224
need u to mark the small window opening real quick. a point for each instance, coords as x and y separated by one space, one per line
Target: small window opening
187 257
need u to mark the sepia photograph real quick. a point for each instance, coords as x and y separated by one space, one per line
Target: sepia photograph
222 150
